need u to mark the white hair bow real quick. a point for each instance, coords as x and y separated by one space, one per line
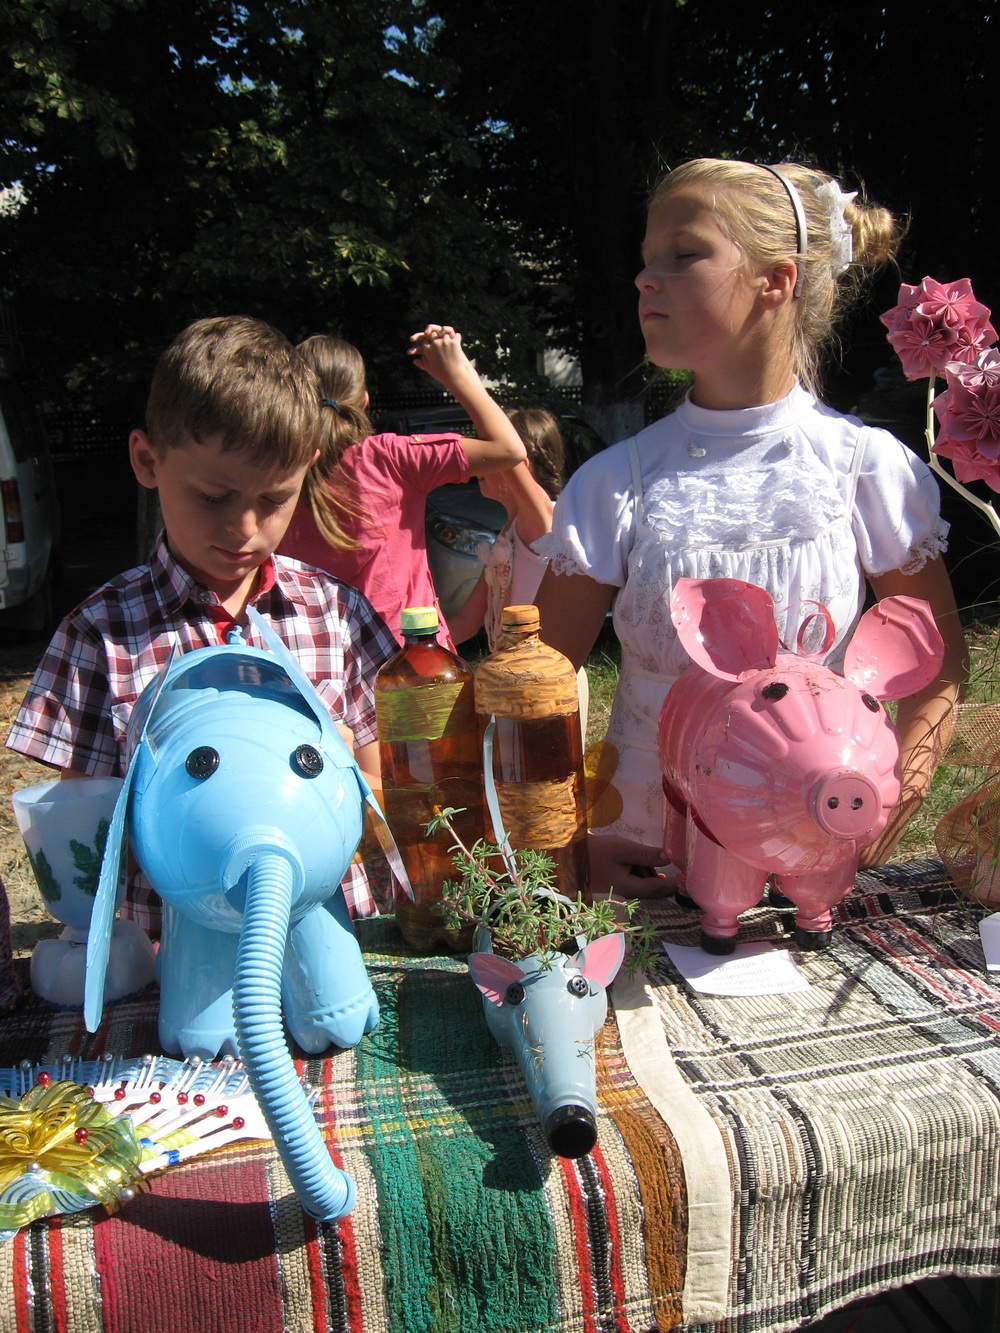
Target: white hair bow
835 201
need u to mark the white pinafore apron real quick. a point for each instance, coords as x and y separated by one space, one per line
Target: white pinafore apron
777 519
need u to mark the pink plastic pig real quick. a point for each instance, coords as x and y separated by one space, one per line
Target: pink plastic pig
775 764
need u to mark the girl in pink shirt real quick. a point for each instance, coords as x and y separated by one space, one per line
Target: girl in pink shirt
361 515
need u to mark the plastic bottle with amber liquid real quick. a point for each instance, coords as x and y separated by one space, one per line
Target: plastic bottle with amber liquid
429 751
531 689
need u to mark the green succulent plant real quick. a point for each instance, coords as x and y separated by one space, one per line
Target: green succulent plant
513 895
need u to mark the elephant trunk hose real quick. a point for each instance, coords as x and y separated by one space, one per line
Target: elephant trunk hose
323 1190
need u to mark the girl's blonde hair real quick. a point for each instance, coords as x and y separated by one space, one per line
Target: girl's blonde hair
340 369
754 210
539 429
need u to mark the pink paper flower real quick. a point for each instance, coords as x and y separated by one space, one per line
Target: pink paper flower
969 464
937 323
971 412
984 370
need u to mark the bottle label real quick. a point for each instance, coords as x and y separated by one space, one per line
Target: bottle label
540 814
428 713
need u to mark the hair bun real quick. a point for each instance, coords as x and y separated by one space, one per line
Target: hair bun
877 233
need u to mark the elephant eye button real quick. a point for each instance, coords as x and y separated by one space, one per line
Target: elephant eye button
203 762
308 761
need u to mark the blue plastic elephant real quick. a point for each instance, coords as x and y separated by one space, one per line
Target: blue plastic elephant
243 807
548 1012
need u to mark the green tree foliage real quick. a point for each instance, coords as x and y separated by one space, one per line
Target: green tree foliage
284 159
569 105
577 107
368 165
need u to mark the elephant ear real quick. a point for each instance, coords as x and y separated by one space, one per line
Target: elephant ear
308 691
383 835
303 684
103 914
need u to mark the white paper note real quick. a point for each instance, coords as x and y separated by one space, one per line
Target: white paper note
989 933
751 969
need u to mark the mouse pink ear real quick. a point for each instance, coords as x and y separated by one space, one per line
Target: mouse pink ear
726 626
896 650
493 975
602 958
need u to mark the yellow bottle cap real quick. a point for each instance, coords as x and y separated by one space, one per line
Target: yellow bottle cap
418 617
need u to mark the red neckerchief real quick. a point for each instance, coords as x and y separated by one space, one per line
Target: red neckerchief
224 622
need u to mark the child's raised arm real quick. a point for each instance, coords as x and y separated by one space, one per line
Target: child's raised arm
438 351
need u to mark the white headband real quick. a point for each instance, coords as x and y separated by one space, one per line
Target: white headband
834 201
801 227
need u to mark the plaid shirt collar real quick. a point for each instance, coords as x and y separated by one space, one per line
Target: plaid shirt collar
174 587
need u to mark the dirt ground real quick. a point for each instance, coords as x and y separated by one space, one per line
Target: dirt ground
29 920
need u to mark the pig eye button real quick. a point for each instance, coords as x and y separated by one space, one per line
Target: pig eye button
203 762
308 761
515 993
776 690
870 703
578 986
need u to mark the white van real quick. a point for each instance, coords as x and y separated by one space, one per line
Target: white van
31 521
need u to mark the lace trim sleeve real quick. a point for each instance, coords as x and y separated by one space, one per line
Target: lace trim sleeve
933 545
562 562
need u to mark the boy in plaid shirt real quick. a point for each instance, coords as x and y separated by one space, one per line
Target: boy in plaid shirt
231 428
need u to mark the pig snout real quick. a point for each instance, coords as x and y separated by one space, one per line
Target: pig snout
846 805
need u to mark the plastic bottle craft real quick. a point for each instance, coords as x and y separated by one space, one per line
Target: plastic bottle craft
548 1006
775 764
531 690
243 807
547 1010
429 753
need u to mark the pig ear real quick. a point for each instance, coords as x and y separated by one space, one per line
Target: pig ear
896 650
493 975
725 625
601 959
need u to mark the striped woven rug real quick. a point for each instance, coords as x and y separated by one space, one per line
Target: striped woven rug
464 1221
760 1161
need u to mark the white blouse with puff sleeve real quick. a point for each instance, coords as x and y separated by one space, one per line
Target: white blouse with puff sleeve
792 496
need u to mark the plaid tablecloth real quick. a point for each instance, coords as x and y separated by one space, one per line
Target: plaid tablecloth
760 1161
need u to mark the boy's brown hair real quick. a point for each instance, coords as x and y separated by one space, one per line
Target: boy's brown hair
243 380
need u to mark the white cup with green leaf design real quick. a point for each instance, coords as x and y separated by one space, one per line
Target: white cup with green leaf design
65 825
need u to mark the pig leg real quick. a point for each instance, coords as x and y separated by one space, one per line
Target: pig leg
722 885
675 817
814 895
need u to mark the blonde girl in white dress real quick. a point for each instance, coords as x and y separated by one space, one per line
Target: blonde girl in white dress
745 268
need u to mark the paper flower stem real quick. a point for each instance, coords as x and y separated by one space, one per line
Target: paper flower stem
953 482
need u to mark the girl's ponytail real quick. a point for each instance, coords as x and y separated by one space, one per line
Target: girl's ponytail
340 370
